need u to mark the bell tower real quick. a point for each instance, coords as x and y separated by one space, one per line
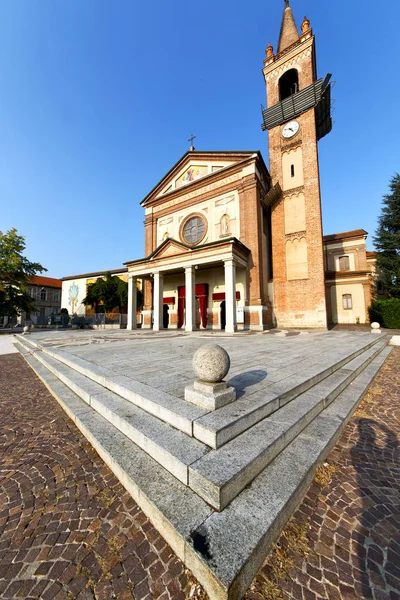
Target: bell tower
296 117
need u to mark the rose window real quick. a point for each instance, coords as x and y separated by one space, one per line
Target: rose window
193 230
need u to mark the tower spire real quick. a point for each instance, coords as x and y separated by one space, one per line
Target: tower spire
289 33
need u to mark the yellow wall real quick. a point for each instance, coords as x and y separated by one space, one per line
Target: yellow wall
339 314
212 212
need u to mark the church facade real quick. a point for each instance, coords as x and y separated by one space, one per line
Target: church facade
230 244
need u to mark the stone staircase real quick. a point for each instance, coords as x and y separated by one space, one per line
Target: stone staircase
219 486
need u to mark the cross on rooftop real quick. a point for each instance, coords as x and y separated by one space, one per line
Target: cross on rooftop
192 137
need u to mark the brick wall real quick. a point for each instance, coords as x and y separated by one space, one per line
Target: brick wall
301 302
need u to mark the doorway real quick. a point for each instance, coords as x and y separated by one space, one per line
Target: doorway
165 316
201 300
223 314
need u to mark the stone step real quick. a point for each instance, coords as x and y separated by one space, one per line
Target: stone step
221 475
233 544
170 409
224 550
173 449
219 427
215 428
174 509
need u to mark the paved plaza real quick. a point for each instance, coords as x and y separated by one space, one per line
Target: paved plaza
68 529
164 360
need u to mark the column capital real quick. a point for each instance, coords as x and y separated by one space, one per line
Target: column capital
231 262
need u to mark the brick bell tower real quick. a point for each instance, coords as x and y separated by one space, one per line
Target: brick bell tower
296 117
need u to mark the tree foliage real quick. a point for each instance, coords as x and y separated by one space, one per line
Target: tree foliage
108 292
387 239
16 271
386 313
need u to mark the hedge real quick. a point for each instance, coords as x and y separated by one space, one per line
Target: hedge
386 313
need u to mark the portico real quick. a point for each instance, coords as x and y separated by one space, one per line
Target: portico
192 283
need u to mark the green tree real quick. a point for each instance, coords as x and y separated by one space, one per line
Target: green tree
387 239
107 291
94 294
16 271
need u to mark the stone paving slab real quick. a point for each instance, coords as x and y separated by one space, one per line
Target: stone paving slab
224 564
7 344
283 368
143 355
87 379
29 442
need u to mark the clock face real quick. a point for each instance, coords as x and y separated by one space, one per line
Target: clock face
290 129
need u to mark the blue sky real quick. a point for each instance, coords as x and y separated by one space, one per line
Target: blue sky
99 97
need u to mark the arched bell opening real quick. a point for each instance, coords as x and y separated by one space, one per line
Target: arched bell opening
288 84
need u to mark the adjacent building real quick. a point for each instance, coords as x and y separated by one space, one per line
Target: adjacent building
46 294
350 278
74 289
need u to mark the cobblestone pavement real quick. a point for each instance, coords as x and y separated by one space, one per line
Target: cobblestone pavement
344 540
68 529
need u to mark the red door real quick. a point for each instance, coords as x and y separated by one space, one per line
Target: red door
201 292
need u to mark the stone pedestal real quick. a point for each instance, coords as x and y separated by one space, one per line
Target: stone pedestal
210 395
211 364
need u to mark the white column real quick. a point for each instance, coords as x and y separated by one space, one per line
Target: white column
190 303
132 303
158 301
230 296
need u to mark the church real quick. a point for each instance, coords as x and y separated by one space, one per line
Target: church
231 244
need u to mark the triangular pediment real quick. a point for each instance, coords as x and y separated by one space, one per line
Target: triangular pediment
169 247
193 166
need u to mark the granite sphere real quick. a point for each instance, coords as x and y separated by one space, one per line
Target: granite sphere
211 363
375 325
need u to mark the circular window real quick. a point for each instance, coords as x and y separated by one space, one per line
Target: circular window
193 229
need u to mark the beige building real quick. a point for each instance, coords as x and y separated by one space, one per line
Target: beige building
350 278
74 289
